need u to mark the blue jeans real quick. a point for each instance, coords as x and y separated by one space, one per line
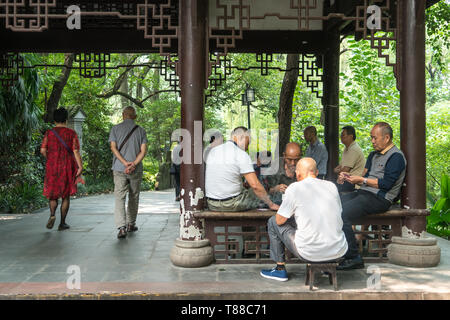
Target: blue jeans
356 205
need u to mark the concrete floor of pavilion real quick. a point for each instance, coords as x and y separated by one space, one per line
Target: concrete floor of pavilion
34 262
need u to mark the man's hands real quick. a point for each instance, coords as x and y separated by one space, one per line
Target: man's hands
345 176
129 167
274 207
279 188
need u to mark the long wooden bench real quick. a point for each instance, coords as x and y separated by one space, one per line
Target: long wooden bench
241 237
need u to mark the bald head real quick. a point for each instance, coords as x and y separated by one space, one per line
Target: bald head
306 167
129 113
293 150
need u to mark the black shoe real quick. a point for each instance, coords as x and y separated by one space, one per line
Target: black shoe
122 233
349 264
132 227
63 226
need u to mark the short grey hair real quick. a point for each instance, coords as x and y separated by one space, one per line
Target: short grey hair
386 129
239 131
130 110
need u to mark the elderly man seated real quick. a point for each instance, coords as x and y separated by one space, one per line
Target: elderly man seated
225 166
279 182
308 222
380 185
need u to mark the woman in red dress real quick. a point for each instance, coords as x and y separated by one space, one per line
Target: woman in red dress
62 168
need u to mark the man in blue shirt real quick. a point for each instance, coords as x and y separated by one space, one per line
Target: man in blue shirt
316 150
380 186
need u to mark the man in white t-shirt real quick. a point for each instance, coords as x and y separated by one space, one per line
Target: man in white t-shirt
308 222
225 166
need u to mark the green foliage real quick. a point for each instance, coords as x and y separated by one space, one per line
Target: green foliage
19 112
438 31
22 198
96 186
438 222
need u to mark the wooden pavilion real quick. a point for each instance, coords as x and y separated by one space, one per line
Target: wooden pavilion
195 36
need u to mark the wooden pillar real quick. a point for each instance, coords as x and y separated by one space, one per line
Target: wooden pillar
412 107
330 100
191 249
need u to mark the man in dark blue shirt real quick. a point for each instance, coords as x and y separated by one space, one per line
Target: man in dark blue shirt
379 187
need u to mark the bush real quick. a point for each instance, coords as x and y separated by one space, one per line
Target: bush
96 186
22 198
149 181
438 222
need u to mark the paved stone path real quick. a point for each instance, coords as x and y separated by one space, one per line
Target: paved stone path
34 262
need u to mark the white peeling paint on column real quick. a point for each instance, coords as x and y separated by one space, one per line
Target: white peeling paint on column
189 231
199 194
408 233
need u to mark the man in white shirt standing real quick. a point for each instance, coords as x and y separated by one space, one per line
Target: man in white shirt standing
225 166
308 222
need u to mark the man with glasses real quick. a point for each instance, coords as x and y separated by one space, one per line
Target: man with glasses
279 182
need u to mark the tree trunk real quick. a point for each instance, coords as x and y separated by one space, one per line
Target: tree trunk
58 88
286 99
156 84
124 88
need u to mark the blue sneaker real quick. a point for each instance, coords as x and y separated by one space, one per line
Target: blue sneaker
274 274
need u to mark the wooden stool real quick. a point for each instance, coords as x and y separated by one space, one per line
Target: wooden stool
312 268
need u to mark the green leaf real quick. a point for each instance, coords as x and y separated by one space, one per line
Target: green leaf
444 186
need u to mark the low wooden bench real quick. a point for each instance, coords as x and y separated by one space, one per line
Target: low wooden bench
241 237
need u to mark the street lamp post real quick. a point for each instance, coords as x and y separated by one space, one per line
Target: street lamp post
247 98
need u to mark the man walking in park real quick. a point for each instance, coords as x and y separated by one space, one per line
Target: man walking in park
129 146
380 185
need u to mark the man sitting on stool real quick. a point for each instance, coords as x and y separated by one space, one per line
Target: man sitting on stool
308 222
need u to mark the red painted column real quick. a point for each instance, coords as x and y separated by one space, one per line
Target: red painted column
412 107
191 249
330 100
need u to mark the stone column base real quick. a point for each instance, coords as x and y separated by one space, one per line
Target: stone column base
191 254
417 253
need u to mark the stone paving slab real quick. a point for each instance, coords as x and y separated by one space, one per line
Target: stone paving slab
34 262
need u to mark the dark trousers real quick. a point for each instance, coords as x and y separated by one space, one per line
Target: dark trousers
176 175
345 187
356 205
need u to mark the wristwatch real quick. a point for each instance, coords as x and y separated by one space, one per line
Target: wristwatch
365 181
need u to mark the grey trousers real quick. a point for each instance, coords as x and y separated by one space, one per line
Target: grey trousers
126 184
281 237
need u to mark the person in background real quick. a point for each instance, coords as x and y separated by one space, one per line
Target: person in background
61 148
129 146
215 139
316 150
175 169
353 160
